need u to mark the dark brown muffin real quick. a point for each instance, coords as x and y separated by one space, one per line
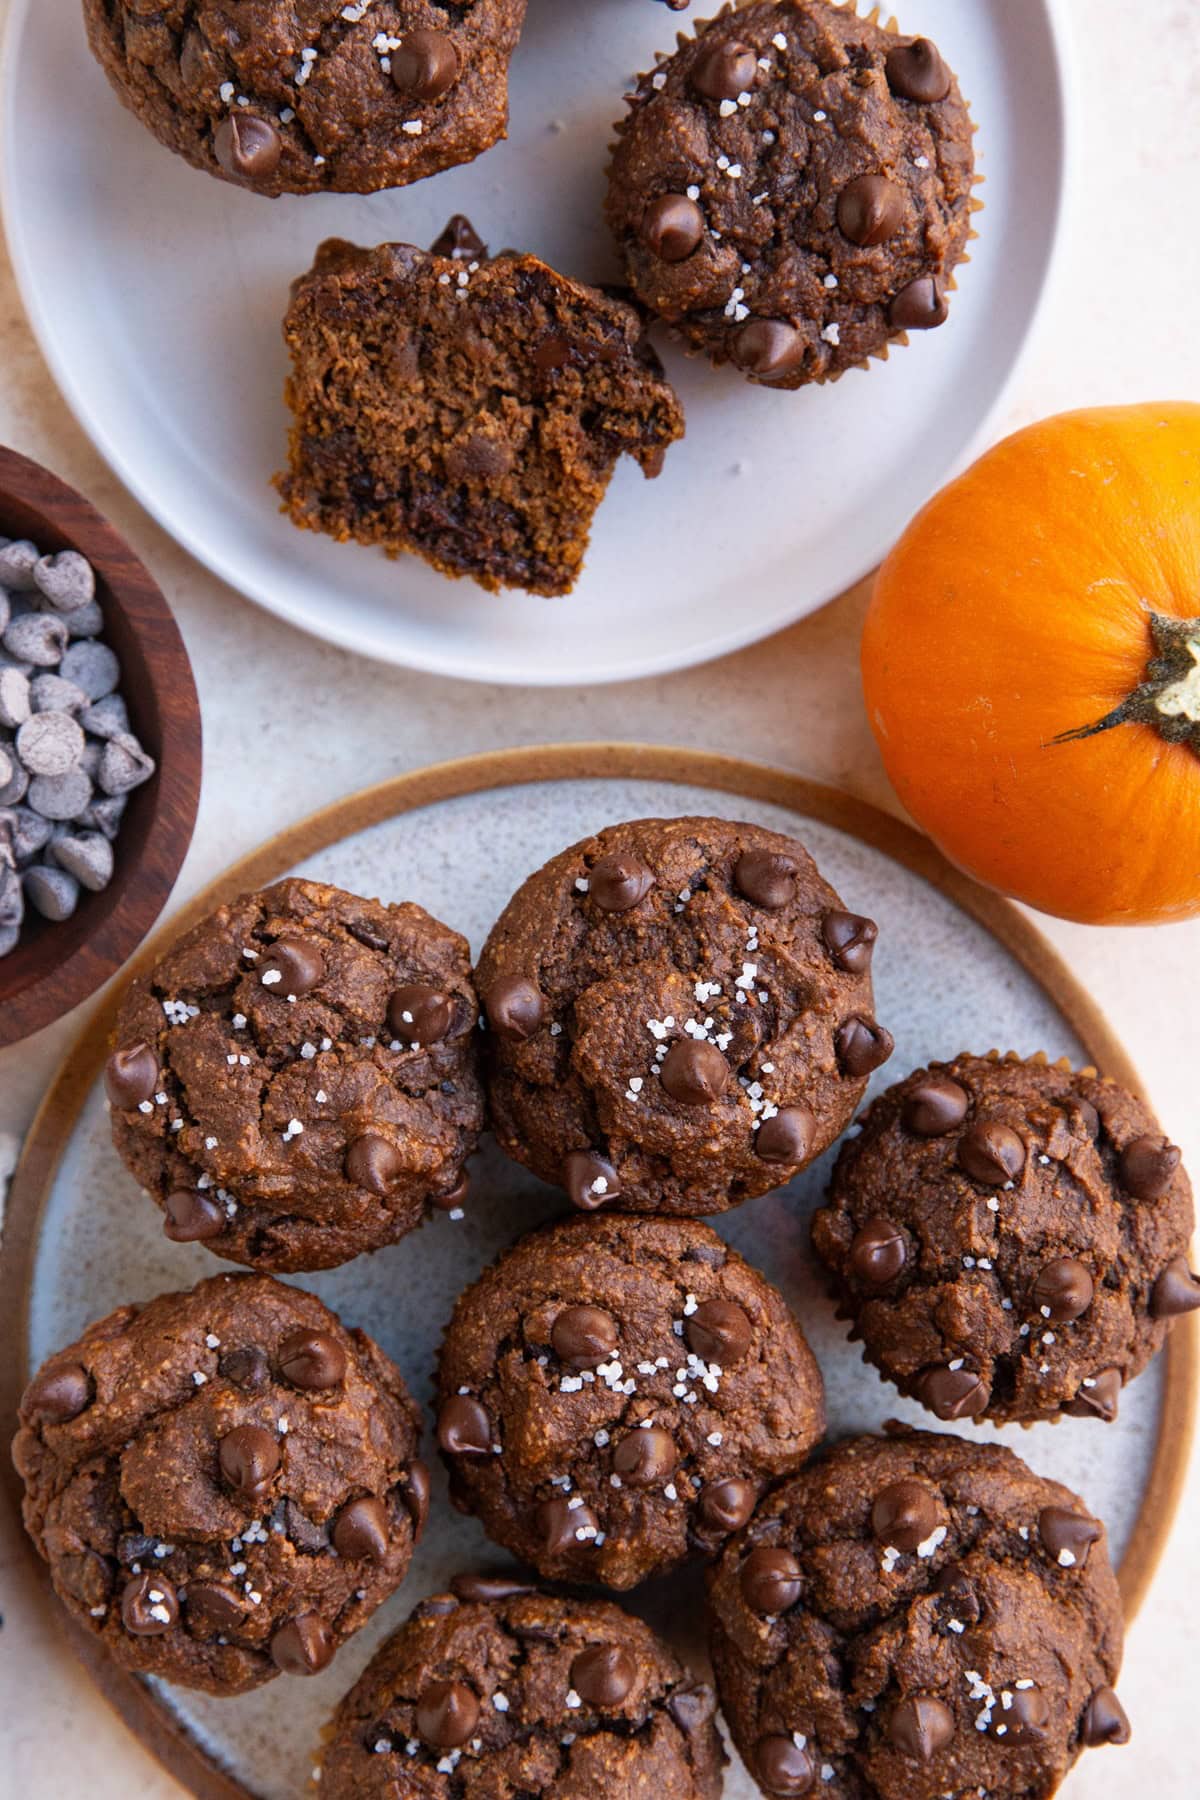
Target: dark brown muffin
1010 1238
916 1617
292 99
792 188
296 1077
615 1394
223 1482
680 1016
497 1691
465 408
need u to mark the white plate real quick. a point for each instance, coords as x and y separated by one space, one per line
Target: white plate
157 294
942 984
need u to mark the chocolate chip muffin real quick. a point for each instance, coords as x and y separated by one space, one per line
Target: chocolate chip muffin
916 1617
223 1482
1009 1238
466 408
287 99
296 1077
792 189
679 1016
615 1394
497 1690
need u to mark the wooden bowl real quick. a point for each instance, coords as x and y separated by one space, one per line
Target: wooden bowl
55 966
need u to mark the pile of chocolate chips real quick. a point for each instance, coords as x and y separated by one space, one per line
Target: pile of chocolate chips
67 756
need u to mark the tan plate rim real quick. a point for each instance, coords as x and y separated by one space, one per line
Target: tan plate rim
150 1718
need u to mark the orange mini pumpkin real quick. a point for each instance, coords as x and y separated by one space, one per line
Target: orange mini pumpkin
1031 665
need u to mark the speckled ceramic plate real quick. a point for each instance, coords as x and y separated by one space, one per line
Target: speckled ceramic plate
955 969
157 294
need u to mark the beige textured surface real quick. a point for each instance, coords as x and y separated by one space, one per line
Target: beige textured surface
291 724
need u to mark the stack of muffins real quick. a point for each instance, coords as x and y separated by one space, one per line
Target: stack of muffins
668 1019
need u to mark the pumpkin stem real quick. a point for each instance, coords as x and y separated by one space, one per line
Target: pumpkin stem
1168 697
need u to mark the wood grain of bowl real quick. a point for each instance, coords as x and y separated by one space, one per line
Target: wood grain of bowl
55 966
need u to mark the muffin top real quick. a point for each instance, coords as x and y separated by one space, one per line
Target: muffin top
497 1690
296 96
792 188
616 1393
1010 1238
223 1482
680 1016
296 1076
915 1616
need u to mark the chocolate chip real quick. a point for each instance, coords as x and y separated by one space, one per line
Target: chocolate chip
1104 1720
560 1524
361 1529
414 1492
149 1605
850 940
291 966
921 1726
459 240
726 1505
463 1427
934 1107
693 1708
991 1153
672 226
515 1007
488 1589
190 1216
451 1198
249 1458
418 1014
602 1675
303 1646
919 306
1090 1118
870 210
783 1767
311 1359
722 71
247 1367
1098 1397
958 1603
694 1072
426 65
952 1393
300 1530
645 1457
617 882
214 1607
131 1076
590 1180
434 1606
720 1332
1063 1290
365 934
372 1162
1147 1167
447 1714
787 1136
246 147
767 350
57 1394
770 1580
766 878
878 1252
916 72
1021 1717
1067 1535
1176 1291
584 1336
904 1514
862 1045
